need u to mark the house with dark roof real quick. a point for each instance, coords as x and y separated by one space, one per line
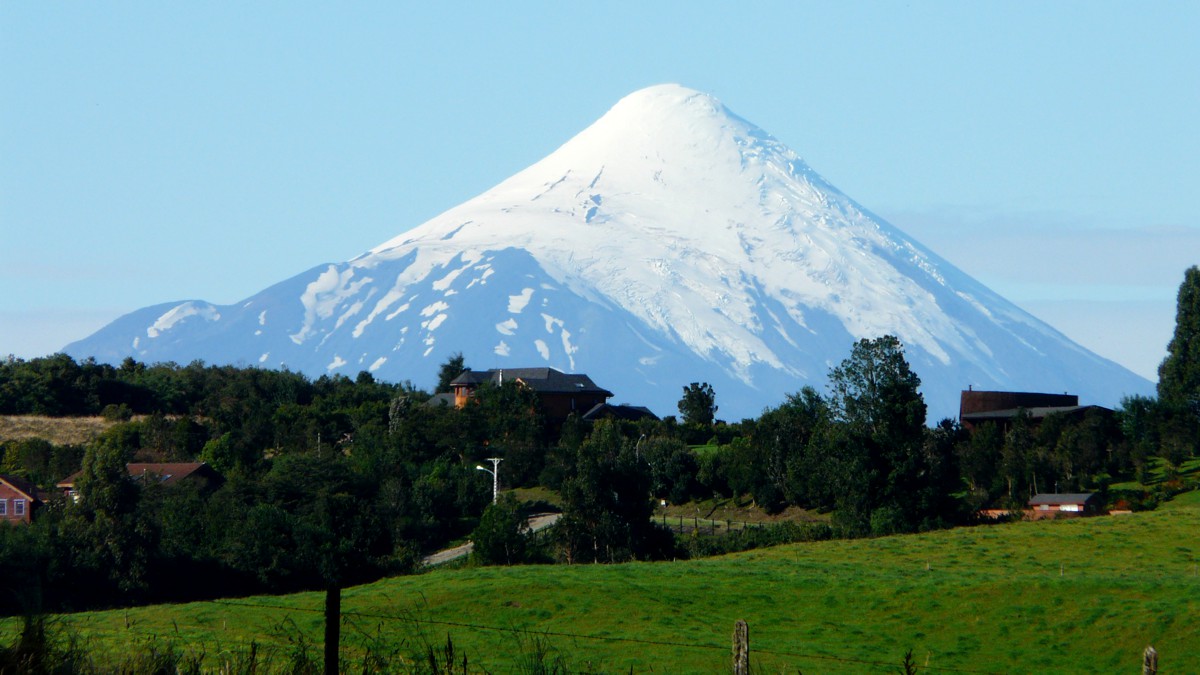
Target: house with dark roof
559 393
18 499
1002 407
629 413
147 473
1063 505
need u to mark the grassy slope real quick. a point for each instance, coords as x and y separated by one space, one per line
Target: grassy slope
1068 596
57 430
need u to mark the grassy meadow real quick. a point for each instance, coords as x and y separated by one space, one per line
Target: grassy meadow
1070 596
57 430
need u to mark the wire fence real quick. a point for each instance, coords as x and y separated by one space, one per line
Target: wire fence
687 525
632 641
283 634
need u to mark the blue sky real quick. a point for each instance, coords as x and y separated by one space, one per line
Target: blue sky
152 152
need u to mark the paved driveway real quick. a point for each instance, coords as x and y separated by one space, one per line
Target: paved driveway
537 522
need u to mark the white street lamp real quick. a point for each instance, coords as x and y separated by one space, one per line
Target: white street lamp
495 471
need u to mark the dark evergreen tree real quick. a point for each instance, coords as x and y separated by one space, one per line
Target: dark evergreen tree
1179 377
1179 374
452 368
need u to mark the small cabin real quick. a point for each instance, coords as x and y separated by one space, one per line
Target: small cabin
1064 505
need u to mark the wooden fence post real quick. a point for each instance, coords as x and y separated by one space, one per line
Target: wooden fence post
741 648
333 627
1150 661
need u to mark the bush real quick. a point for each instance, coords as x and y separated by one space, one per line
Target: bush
116 412
502 537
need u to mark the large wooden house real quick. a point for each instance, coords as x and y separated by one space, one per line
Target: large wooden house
1002 407
559 393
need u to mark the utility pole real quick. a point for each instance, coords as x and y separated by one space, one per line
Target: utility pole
495 471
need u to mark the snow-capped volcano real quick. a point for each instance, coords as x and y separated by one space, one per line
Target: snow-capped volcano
669 242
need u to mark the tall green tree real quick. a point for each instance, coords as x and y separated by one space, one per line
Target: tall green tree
606 503
1179 377
1179 374
875 397
699 403
875 392
115 540
783 467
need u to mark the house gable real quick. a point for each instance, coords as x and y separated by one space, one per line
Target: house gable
18 499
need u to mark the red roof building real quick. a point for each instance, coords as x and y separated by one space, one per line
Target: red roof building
18 499
155 473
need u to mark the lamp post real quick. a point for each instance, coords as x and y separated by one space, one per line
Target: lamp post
495 471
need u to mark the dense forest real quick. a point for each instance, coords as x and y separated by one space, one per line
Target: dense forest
335 481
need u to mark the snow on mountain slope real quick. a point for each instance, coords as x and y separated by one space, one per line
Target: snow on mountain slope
669 242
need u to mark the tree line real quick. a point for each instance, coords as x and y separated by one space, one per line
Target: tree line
338 480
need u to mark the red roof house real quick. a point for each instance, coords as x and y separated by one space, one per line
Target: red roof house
18 499
169 473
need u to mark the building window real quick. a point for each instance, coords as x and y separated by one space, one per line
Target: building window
18 507
3 507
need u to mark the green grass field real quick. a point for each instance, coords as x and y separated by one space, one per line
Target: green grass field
1073 596
1189 470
